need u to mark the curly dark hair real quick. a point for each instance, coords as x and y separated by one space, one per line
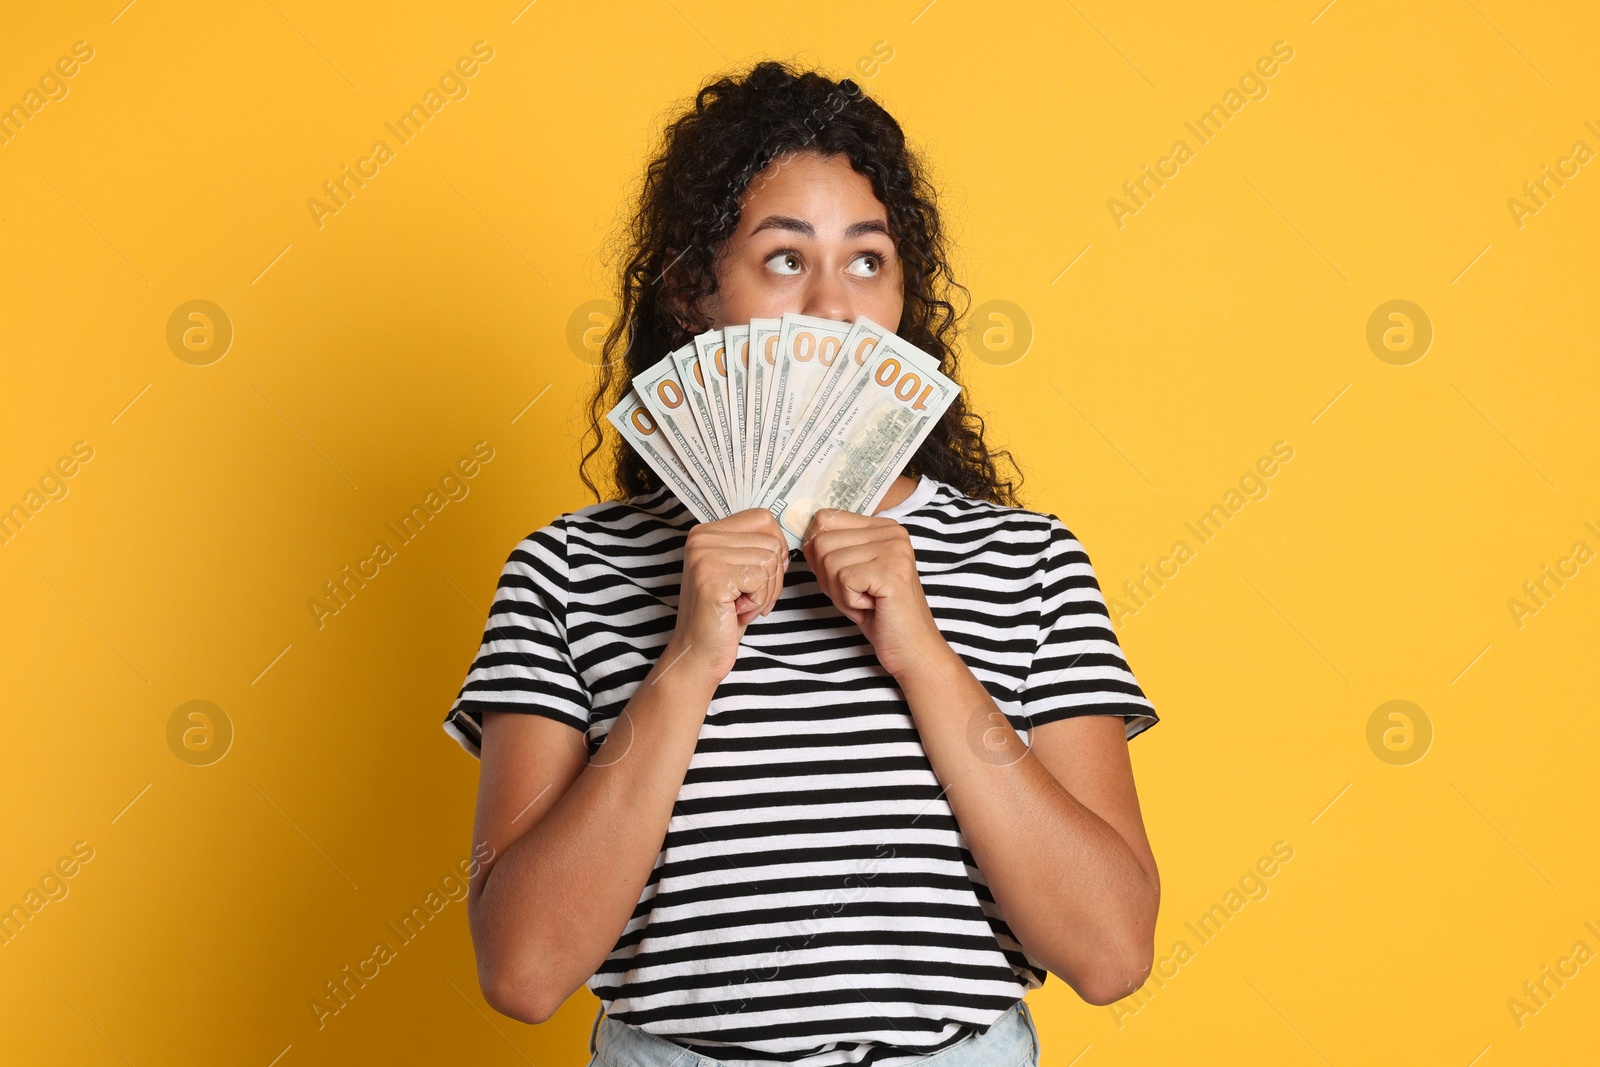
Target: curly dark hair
689 207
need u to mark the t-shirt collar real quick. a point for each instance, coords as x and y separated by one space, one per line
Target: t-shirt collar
924 492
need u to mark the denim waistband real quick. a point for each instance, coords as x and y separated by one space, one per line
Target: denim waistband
1011 1041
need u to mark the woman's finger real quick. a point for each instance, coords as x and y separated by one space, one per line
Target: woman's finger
844 555
857 580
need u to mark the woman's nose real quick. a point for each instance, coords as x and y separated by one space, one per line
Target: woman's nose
827 298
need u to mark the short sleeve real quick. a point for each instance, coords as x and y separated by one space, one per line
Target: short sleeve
1078 667
524 663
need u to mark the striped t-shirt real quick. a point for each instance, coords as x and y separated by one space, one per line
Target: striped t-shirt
814 902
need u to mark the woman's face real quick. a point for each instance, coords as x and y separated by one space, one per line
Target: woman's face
813 239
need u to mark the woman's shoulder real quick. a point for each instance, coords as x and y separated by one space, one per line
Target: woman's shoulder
987 546
951 514
646 522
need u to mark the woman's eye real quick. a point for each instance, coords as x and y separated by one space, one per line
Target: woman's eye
876 265
784 262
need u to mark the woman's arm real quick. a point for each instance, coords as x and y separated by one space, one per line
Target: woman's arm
1071 871
574 842
1055 829
574 839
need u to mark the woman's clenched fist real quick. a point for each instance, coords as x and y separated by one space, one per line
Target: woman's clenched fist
868 568
733 572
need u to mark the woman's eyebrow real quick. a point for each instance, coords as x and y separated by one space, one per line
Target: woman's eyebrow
805 229
785 222
869 226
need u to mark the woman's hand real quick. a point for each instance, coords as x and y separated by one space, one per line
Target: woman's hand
867 567
733 571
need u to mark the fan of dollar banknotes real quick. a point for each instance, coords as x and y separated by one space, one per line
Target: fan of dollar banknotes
792 414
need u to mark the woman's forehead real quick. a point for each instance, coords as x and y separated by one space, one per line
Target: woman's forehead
825 191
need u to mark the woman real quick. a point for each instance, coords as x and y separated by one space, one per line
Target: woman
777 808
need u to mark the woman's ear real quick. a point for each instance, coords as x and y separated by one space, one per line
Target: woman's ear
682 314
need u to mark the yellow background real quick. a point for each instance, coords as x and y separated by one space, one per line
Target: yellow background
431 311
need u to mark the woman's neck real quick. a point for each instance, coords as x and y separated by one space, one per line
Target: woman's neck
898 491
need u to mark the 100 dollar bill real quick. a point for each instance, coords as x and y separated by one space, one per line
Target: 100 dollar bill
807 348
641 430
663 393
853 451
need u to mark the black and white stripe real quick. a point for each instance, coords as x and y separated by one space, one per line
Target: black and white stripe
814 902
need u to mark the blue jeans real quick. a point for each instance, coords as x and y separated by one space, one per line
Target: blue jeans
1012 1041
